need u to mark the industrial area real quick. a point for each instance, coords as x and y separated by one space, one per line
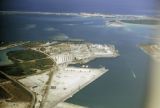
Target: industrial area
46 79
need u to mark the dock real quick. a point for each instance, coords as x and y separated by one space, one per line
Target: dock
66 82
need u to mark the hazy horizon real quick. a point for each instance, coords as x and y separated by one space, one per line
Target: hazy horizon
100 6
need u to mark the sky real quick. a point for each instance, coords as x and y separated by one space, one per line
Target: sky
102 6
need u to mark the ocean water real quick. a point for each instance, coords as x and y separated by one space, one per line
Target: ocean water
4 60
119 88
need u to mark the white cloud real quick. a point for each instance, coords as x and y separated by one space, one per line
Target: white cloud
30 26
50 29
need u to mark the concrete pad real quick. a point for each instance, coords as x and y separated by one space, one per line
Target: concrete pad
68 105
37 84
68 81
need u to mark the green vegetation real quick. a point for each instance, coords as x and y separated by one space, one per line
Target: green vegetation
27 62
3 44
27 68
34 44
144 21
31 66
7 44
4 94
12 70
25 55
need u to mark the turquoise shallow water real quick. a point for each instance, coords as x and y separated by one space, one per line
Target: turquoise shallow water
4 58
118 88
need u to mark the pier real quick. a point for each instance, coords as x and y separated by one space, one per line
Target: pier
66 82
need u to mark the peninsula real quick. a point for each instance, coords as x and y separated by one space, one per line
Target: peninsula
40 76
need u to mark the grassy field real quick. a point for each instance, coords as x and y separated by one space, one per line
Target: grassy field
27 62
25 55
12 70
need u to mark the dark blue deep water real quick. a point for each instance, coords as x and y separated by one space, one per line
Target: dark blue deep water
116 89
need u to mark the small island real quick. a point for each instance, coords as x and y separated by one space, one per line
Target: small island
152 49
